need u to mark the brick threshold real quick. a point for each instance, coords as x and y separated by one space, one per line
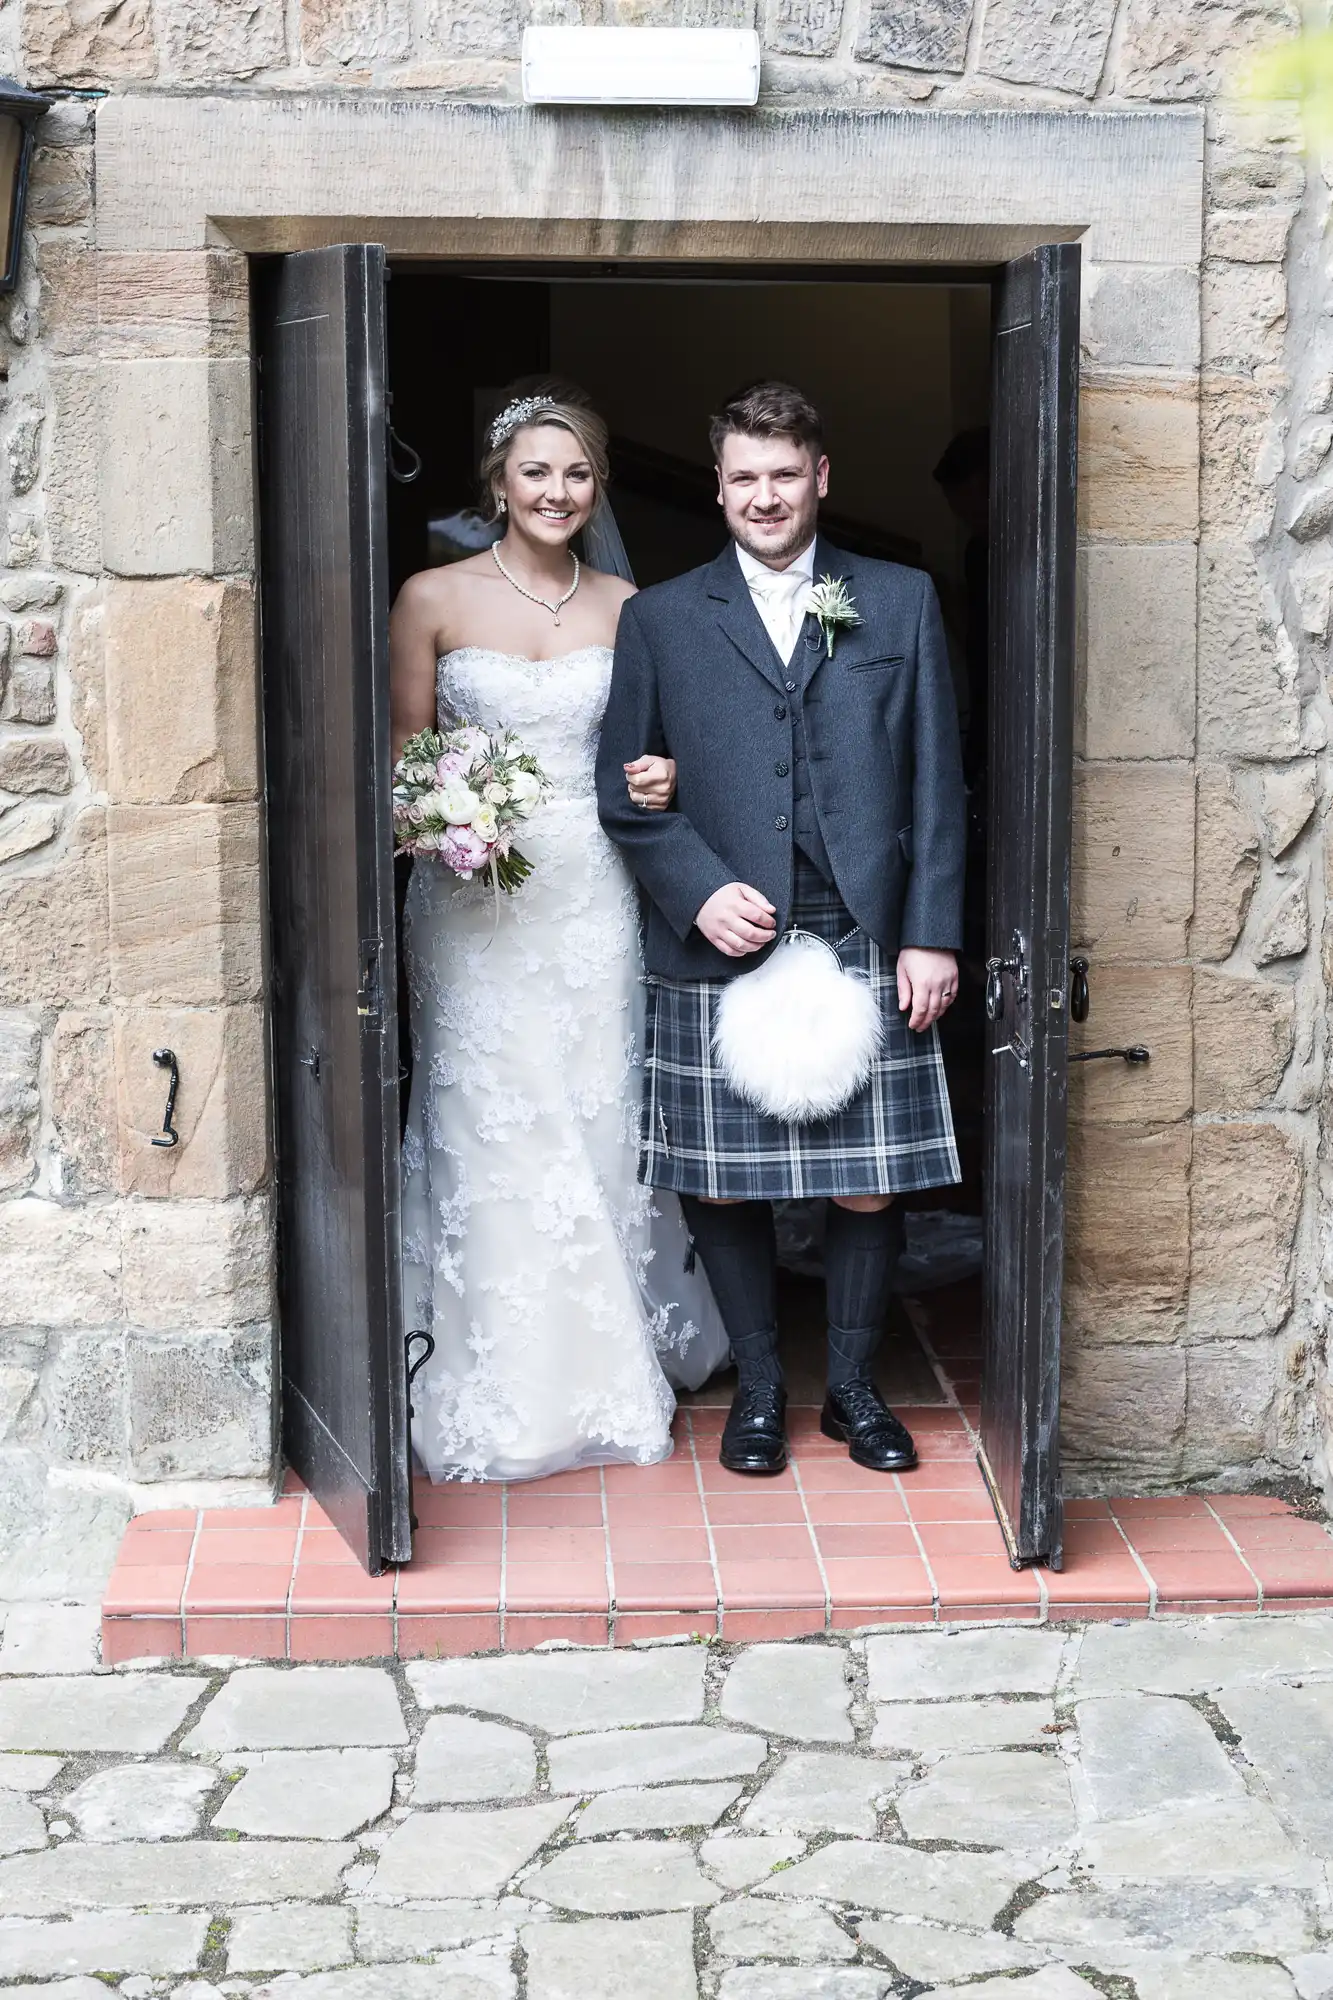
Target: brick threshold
620 1554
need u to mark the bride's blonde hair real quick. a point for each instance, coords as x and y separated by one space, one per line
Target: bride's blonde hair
543 399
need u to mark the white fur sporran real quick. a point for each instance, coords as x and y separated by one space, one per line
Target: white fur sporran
798 1038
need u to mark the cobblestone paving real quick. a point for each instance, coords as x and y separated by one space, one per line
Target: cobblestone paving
1128 1812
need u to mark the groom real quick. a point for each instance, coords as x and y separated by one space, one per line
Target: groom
816 790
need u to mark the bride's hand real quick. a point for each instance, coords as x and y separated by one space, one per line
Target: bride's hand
652 782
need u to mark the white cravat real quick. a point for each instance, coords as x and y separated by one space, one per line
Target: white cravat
779 596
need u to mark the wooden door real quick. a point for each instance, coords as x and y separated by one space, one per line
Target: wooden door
1034 446
324 613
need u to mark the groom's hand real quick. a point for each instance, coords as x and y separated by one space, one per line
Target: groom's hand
738 920
927 983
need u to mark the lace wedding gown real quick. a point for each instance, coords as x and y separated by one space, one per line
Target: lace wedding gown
554 1283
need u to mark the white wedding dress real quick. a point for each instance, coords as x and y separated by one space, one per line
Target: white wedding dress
554 1283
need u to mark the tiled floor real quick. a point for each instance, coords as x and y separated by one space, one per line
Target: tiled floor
628 1552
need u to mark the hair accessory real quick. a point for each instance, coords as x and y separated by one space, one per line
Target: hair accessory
513 417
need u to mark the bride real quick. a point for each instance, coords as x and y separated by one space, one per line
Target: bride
554 1283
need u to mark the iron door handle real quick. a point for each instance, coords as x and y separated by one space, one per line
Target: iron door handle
1136 1053
1079 997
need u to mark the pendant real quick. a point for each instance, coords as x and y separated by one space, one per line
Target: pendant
557 621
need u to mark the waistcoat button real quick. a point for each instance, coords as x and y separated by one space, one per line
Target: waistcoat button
780 713
781 770
781 822
790 686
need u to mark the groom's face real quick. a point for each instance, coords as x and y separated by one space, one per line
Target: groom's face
770 488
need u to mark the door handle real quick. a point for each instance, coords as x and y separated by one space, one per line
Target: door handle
1134 1054
1079 999
311 1062
1016 1050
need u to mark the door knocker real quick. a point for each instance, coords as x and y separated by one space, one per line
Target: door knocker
165 1059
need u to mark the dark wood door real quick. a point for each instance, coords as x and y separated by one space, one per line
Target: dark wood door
324 611
1034 449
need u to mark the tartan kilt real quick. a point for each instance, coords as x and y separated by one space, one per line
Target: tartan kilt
698 1137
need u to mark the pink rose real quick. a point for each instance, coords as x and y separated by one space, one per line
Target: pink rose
452 765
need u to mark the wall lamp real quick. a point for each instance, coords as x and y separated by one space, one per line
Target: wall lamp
657 66
19 111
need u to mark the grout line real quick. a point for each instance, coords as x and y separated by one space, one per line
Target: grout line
1142 1566
189 1573
291 1581
814 1543
708 1528
1043 1594
1258 1585
941 1374
504 1561
920 1546
606 1559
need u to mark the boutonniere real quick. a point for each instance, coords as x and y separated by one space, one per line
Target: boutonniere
834 606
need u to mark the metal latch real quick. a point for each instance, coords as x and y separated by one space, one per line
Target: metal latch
369 994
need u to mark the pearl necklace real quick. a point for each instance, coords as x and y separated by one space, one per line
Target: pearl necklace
531 595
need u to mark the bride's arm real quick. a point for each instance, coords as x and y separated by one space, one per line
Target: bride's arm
413 634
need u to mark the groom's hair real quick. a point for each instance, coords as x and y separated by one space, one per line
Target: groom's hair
763 410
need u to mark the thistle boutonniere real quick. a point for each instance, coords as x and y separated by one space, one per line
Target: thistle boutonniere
834 606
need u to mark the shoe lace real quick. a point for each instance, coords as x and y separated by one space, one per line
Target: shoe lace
763 1399
864 1404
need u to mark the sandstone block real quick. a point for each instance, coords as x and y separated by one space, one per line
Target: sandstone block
61 1265
68 296
37 638
197 1264
1227 850
172 303
1249 237
476 27
60 191
1197 46
1059 44
176 484
20 1058
1244 316
1230 1389
185 901
23 832
88 41
221 1108
342 31
1243 1037
86 680
1122 1415
30 693
1289 798
1282 926
1240 439
83 1101
1133 866
73 466
1139 652
1139 462
804 27
1140 315
55 924
1149 1004
220 39
201 1405
925 34
182 725
1262 178
1127 1186
81 1400
1249 701
30 763
1246 1200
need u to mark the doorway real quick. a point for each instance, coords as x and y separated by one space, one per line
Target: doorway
901 363
901 374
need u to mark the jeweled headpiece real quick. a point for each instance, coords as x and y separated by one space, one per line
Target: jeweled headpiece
513 417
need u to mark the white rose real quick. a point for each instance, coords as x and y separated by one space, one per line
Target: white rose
495 793
484 823
524 789
457 802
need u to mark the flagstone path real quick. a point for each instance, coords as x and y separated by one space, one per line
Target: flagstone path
1137 1811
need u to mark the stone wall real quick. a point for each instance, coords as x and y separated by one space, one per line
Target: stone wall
136 1321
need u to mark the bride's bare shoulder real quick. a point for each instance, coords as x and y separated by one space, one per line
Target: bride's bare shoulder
609 590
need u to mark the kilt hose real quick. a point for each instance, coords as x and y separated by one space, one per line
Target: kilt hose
698 1137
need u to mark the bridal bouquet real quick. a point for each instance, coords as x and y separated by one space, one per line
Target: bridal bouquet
461 796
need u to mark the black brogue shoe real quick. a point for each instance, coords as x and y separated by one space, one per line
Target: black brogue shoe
755 1438
858 1415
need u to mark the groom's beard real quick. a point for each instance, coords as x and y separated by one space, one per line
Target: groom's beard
775 550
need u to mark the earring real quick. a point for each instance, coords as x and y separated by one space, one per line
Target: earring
502 505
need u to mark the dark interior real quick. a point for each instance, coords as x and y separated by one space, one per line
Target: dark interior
899 368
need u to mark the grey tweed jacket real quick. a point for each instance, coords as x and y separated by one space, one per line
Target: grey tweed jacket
697 678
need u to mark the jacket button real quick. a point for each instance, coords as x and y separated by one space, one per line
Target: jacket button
790 686
781 822
780 713
781 770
